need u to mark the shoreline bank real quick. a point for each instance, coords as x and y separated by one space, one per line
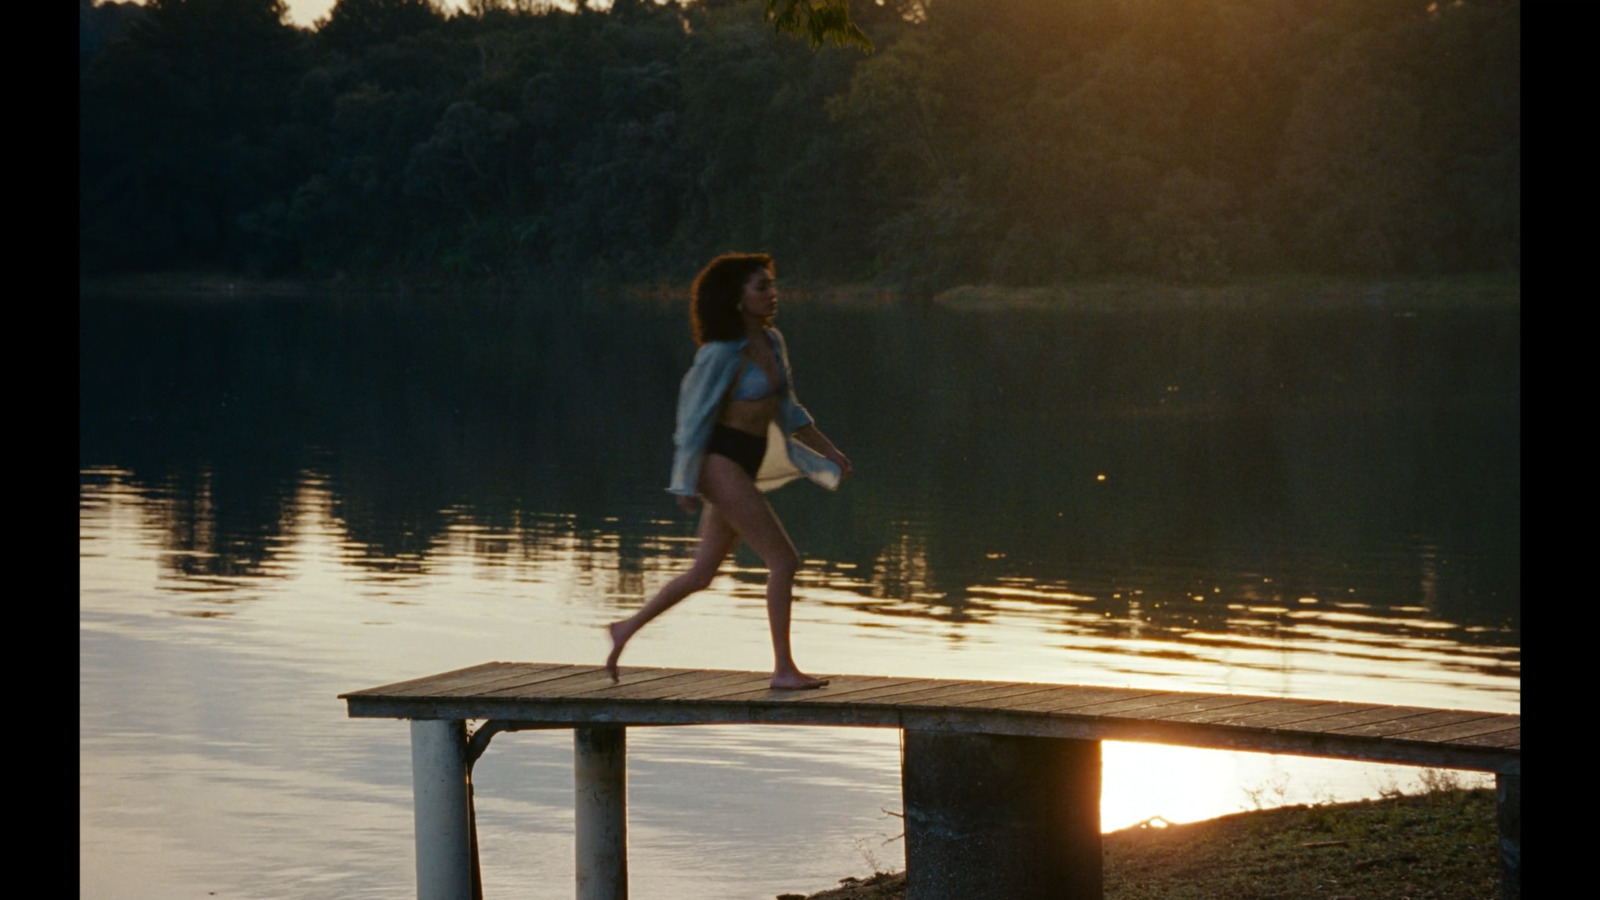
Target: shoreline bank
1434 846
1266 293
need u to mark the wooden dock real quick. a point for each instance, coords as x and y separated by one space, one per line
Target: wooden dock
1001 780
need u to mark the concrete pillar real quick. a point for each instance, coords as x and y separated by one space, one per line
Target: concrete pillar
600 770
439 787
1508 816
1000 817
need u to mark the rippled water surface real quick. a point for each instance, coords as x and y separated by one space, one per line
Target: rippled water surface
283 500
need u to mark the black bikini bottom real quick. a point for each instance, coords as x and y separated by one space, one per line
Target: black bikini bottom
742 447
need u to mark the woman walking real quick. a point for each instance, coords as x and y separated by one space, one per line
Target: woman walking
740 432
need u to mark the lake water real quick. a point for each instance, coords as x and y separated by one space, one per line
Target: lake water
284 499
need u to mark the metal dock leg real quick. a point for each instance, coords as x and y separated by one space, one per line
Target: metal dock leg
600 770
439 786
1001 817
1508 818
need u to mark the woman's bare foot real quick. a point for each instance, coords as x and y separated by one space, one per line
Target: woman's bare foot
795 681
617 643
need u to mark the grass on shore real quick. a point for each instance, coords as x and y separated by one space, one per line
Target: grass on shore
1279 293
1435 846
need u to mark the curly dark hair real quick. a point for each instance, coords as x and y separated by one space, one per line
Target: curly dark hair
714 299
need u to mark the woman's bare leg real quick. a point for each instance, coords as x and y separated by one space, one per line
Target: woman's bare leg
743 506
717 539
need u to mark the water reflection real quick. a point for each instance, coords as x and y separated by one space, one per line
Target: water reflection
1144 478
1174 616
1319 505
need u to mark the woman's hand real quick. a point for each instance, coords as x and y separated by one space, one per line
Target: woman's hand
840 460
819 442
688 502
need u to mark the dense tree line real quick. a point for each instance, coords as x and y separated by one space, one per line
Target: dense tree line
1013 141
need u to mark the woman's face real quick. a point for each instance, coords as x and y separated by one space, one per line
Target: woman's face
760 298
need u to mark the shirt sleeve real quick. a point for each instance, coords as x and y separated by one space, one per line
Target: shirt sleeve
791 414
699 398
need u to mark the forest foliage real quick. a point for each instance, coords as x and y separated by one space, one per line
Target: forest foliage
1004 141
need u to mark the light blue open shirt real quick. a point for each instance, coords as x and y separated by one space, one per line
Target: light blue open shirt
700 399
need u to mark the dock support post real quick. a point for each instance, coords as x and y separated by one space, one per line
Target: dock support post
439 788
1001 817
600 770
1508 818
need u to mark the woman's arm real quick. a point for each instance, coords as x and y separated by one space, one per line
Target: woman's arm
813 437
797 421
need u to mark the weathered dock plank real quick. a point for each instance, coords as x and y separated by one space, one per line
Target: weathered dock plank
570 694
